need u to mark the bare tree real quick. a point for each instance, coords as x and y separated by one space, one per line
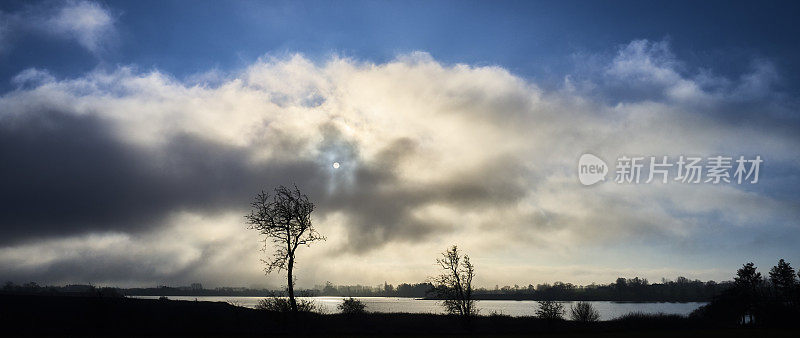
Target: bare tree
285 219
454 285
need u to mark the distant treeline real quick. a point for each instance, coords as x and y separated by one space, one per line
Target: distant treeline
32 288
419 290
623 289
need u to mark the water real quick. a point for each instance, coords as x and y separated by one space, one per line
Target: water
608 310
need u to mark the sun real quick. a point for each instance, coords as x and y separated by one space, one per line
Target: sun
335 165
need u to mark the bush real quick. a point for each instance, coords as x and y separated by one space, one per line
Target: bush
584 312
278 304
550 310
352 306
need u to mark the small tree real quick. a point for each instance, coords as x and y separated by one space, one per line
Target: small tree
285 220
352 306
550 310
584 312
782 276
747 277
454 285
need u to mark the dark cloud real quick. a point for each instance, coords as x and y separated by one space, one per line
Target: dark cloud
381 207
68 174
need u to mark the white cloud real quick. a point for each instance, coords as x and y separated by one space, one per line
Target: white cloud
89 23
32 77
646 61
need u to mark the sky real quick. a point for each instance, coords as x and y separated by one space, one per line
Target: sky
133 136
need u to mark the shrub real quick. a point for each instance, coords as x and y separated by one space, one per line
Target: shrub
278 304
550 310
352 306
584 312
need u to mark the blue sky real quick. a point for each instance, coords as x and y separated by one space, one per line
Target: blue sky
530 38
149 125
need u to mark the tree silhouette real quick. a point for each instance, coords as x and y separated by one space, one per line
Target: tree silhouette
584 312
285 219
454 285
746 283
747 277
550 310
352 306
782 276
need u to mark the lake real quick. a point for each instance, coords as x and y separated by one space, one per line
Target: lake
608 310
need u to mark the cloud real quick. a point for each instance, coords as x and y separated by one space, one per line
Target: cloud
32 77
88 23
431 154
194 245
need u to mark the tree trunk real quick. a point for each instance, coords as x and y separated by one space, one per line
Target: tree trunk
292 301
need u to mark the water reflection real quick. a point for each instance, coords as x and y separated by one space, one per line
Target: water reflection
608 310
